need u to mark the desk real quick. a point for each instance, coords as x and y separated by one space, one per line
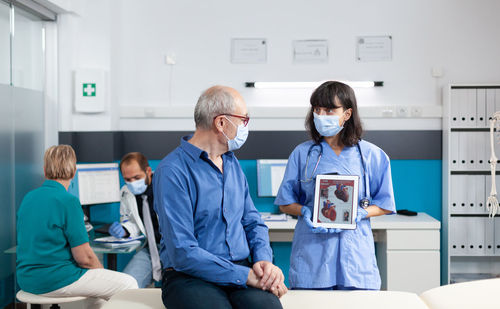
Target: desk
407 249
111 253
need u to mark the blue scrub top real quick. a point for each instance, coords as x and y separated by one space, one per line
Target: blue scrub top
348 258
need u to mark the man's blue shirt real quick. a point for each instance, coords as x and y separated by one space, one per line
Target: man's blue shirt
207 218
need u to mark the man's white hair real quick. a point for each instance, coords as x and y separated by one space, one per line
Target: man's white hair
213 102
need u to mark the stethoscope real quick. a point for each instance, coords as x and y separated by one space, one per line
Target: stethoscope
364 202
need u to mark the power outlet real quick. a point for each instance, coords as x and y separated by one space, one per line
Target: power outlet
403 111
170 59
417 111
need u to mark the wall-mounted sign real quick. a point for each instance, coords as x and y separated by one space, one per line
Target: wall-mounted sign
374 48
310 51
248 51
90 91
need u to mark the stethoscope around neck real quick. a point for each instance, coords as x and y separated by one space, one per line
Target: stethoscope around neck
364 202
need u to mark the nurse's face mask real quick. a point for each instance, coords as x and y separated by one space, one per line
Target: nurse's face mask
327 125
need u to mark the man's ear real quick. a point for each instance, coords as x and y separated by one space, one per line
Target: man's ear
219 122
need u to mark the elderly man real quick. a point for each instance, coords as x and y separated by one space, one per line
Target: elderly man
209 225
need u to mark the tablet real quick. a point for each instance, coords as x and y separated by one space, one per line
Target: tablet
336 201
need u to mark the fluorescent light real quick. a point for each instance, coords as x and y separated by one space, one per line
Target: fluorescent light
307 85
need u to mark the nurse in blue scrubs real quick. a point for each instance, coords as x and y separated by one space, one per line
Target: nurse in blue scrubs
324 258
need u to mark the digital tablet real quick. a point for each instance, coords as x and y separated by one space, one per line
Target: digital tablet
336 201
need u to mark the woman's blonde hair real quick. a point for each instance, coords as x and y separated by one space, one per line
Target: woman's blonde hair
59 162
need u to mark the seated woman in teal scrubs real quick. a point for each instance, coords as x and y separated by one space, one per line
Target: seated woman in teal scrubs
324 258
53 253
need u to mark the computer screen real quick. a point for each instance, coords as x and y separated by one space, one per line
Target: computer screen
269 176
97 183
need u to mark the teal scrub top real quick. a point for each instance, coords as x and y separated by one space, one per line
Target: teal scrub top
49 223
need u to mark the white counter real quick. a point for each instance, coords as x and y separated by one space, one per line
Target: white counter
407 248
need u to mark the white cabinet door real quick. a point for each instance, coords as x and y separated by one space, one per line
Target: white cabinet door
412 271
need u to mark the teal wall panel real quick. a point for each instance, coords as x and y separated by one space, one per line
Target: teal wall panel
417 187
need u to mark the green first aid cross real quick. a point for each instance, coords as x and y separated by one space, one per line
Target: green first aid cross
89 89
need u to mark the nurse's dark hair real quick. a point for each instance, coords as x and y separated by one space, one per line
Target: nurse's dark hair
333 94
137 157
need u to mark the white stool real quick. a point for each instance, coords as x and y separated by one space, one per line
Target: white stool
29 298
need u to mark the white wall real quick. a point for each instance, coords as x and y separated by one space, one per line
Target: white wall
131 38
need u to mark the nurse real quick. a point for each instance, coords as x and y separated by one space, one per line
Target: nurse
324 258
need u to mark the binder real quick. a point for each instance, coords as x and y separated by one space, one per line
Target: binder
455 108
472 145
496 141
454 150
462 150
489 236
462 105
470 194
470 108
476 231
496 240
457 194
481 109
458 236
491 107
480 207
483 152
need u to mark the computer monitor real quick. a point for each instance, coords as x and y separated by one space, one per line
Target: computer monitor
269 176
97 183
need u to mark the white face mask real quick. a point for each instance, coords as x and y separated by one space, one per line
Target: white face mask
137 187
239 139
327 125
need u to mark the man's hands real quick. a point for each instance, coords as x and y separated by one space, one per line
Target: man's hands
268 277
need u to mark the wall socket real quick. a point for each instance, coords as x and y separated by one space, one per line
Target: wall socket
403 111
416 111
170 59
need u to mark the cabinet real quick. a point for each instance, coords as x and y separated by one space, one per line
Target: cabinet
470 239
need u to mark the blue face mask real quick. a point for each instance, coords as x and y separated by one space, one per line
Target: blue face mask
239 139
327 125
137 187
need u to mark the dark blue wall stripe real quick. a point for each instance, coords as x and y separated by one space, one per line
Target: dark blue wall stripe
111 146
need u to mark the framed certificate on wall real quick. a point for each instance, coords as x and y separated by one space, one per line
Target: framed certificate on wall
336 201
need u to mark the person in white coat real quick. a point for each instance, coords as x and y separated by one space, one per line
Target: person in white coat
137 217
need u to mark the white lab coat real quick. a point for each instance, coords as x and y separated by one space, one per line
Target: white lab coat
129 214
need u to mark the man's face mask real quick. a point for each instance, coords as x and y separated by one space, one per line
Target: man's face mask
239 139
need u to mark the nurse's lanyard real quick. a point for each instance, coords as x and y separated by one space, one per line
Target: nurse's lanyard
364 202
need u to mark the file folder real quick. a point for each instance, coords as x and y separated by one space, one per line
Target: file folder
462 150
458 236
491 106
470 108
454 150
455 108
496 240
457 194
481 109
480 194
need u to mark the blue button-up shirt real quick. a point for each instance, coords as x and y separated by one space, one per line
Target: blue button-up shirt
207 218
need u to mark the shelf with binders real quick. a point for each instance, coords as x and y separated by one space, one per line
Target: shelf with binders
471 240
471 106
470 150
